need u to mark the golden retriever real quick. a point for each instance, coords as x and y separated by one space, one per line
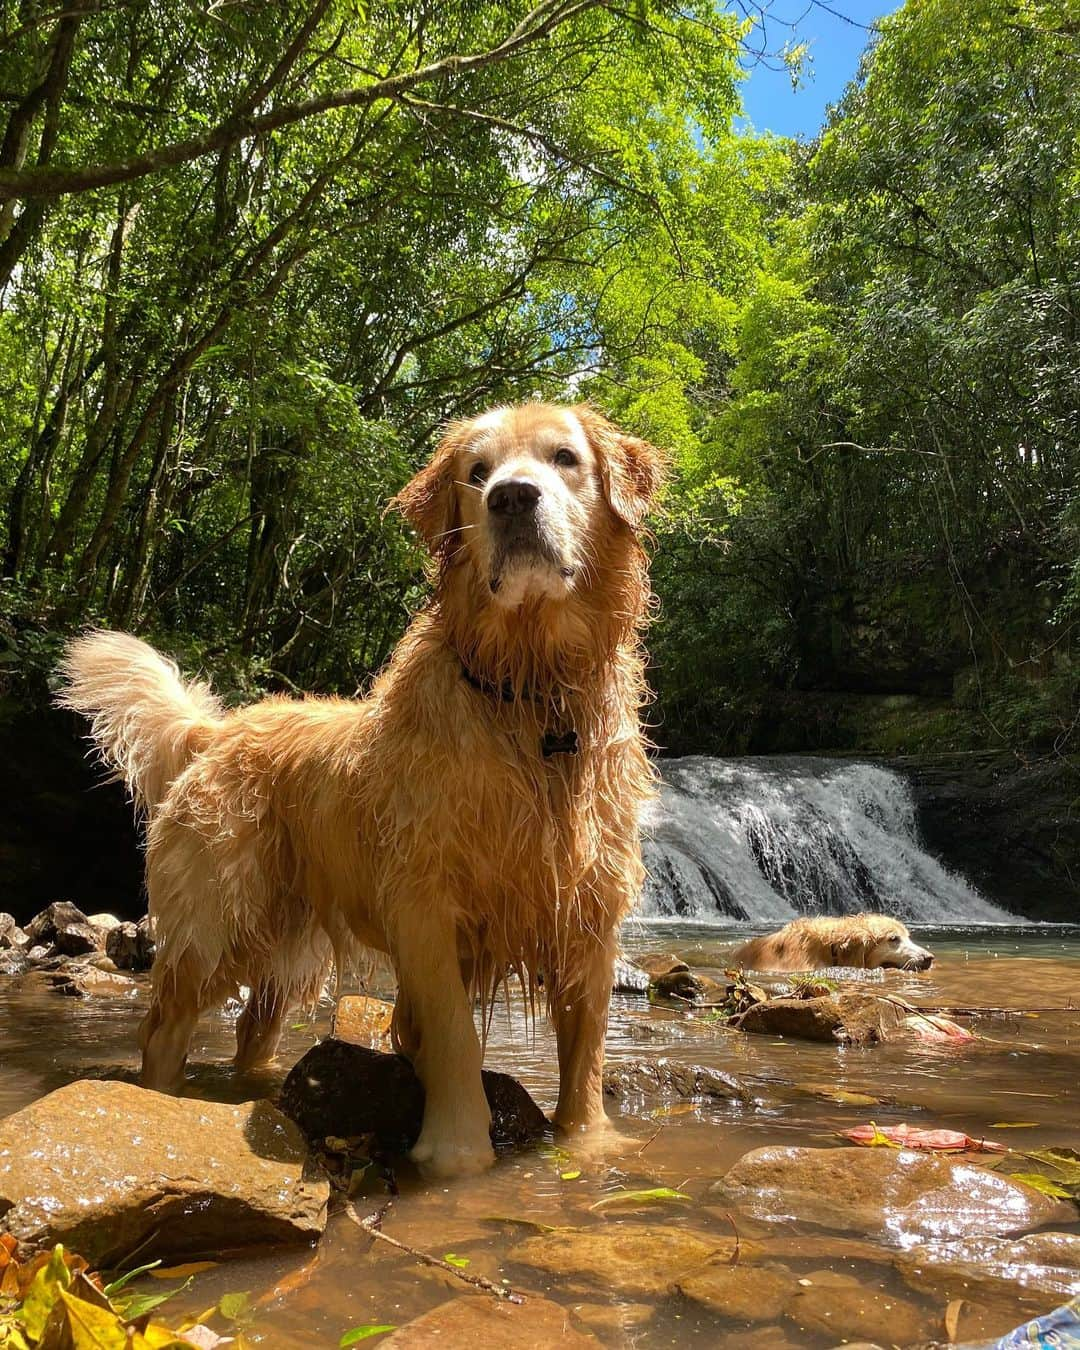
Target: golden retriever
866 941
475 814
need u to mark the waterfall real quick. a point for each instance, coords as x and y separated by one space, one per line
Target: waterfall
769 838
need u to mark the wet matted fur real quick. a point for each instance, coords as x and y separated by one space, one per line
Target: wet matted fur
866 941
475 814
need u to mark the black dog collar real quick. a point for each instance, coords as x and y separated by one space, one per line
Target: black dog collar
551 742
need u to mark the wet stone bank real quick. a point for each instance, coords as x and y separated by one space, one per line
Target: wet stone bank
727 1207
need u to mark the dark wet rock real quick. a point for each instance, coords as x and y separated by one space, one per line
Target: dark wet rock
660 963
1046 1265
480 1321
109 1169
666 1079
742 1292
12 937
629 978
130 946
894 1193
343 1089
833 1304
361 1020
627 1258
43 928
850 1019
1009 826
14 962
79 939
83 980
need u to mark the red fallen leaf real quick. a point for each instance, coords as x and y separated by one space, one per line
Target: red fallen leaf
934 1027
905 1136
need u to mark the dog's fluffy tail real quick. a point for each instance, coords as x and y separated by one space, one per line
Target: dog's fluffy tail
146 721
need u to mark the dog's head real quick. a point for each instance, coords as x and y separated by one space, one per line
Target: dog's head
532 498
880 941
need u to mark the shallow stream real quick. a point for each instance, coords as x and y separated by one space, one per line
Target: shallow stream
1018 1084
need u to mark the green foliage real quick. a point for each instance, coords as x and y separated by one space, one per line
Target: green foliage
219 364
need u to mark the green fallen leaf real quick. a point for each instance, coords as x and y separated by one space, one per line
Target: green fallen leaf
138 1305
1014 1125
362 1333
524 1223
117 1285
1038 1182
452 1259
235 1307
657 1195
45 1289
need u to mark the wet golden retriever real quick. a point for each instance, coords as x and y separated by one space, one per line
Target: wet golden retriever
866 941
477 813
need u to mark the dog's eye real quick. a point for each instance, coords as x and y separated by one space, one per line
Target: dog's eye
894 938
478 473
565 458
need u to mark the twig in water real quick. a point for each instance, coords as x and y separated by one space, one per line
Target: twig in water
651 1137
370 1225
733 1260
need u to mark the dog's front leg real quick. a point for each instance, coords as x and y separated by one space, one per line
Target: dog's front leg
580 1012
445 1050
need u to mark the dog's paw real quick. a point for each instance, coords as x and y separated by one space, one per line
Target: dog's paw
451 1158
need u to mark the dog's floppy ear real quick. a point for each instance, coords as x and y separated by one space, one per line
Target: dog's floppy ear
631 469
851 949
428 500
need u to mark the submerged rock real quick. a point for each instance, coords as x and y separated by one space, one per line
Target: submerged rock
660 963
477 1320
1046 1265
743 1293
850 1018
109 1169
649 1079
628 1258
363 1021
343 1089
834 1304
895 1193
86 980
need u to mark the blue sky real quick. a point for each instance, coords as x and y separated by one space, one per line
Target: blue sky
835 47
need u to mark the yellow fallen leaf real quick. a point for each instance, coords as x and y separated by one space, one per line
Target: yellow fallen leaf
1015 1125
569 1176
182 1272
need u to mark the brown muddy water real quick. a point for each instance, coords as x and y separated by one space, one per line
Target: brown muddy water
1019 1084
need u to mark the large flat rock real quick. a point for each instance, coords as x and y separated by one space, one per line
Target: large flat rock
627 1258
476 1320
109 1168
898 1194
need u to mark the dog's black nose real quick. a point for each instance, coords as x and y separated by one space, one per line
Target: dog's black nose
513 497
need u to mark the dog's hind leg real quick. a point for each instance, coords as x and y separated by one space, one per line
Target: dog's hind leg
580 1013
167 1029
258 1029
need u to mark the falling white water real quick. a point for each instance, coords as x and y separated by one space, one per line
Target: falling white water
769 838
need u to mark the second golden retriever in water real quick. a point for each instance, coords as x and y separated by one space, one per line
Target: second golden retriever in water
865 941
476 814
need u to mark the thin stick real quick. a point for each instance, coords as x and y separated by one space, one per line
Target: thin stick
370 1225
651 1137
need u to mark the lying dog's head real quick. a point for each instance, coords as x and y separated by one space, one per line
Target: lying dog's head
529 496
879 941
